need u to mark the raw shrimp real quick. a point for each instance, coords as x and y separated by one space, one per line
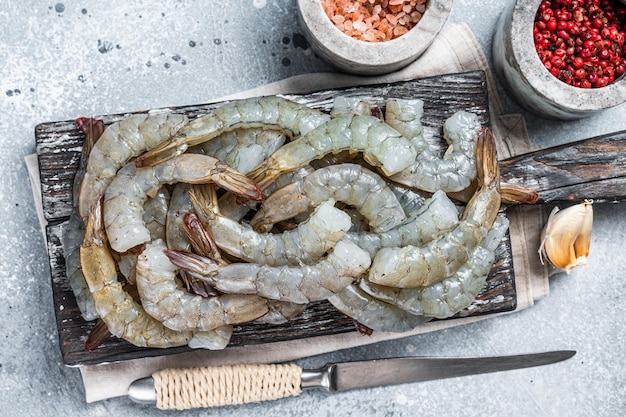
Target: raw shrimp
124 317
349 183
74 230
232 208
437 216
414 266
179 310
428 171
448 297
410 200
271 112
119 143
242 149
180 203
125 196
343 105
381 145
373 313
203 244
303 245
298 285
405 116
281 312
154 217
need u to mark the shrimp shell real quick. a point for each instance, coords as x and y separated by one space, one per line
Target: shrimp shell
124 317
74 230
125 196
373 313
453 294
349 183
242 149
452 172
271 112
119 143
298 285
305 244
180 310
381 145
437 216
414 266
180 203
154 217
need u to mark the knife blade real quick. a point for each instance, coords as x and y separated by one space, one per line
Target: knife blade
344 376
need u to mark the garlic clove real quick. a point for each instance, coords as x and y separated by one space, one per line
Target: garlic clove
566 237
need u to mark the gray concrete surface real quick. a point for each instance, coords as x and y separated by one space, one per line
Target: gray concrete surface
76 58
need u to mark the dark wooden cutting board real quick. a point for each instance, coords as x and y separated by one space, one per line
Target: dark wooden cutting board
58 149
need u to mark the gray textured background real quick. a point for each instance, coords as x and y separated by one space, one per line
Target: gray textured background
59 61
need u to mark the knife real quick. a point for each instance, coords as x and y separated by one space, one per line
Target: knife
238 384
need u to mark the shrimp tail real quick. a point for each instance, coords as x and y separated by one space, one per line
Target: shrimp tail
516 194
237 183
98 334
163 152
484 205
93 129
196 264
263 175
488 167
199 238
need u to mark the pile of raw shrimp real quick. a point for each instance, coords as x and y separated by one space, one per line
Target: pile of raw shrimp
183 228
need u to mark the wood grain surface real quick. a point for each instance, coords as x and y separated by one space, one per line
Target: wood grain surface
58 149
592 168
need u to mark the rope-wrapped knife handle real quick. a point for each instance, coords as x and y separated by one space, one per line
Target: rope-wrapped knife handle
213 386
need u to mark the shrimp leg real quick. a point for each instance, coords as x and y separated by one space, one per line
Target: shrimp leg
413 266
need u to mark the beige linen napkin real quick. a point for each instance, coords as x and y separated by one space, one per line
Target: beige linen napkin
454 50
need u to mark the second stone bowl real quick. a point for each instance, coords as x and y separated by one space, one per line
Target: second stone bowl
524 76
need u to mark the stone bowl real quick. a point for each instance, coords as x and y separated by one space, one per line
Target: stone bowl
369 58
523 75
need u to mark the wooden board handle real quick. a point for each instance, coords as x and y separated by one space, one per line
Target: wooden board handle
593 168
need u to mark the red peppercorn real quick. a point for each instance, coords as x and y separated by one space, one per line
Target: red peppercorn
551 24
582 42
597 23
